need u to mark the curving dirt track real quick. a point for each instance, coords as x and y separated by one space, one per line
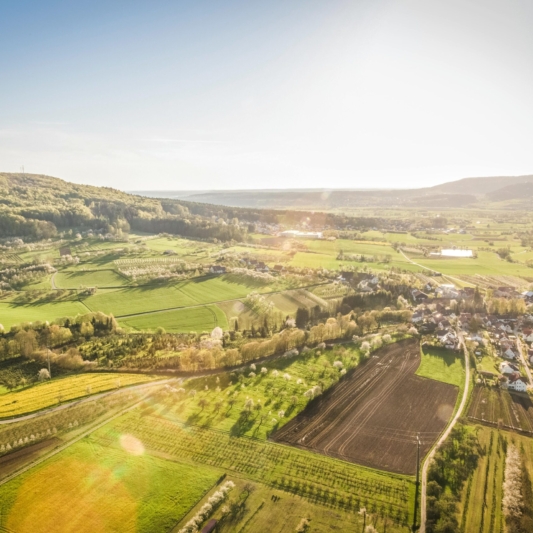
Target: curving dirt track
372 417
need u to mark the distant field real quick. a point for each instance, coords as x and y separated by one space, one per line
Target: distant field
197 319
486 263
156 297
320 260
236 308
61 390
180 246
137 300
11 314
290 301
215 289
94 278
442 365
89 488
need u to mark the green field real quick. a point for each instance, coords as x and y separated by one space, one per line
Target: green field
268 509
442 365
56 391
138 300
313 477
11 314
196 291
95 278
90 488
198 319
487 263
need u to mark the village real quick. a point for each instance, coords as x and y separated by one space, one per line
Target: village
501 344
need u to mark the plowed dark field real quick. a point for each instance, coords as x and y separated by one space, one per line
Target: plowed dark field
372 417
498 407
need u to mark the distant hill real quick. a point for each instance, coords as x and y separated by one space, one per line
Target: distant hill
461 193
515 191
479 186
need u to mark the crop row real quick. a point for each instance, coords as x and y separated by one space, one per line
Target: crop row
266 462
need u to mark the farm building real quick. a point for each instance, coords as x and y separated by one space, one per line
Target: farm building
296 234
418 295
210 526
217 269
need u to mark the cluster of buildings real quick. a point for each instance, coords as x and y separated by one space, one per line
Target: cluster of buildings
504 334
362 282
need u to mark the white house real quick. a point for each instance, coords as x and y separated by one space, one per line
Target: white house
506 368
518 384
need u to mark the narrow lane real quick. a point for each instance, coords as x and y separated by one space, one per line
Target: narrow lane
444 436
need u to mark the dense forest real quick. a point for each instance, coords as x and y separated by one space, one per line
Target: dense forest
36 207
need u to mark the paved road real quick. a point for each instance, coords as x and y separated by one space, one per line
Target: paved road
444 436
83 400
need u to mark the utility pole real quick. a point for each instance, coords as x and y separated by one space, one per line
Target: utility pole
415 512
363 512
48 357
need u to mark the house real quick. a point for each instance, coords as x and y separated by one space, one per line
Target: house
261 267
278 268
507 368
364 286
346 276
509 354
418 295
217 269
517 383
64 250
418 316
448 340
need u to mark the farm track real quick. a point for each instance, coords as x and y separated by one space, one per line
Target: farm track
373 416
443 437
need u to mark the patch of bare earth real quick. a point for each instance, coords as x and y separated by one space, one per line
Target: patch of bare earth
373 416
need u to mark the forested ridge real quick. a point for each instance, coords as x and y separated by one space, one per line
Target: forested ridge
37 207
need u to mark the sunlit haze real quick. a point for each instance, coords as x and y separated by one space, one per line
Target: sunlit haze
216 95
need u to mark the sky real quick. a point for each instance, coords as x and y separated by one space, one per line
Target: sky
191 95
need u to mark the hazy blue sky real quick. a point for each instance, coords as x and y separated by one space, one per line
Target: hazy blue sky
230 94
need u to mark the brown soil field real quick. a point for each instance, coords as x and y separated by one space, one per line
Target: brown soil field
374 414
496 407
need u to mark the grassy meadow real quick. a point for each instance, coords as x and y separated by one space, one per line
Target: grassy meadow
203 318
11 313
67 279
89 488
442 365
